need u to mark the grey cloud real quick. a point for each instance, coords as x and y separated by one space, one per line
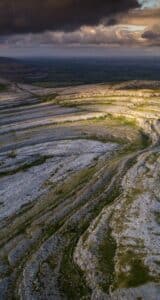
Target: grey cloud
40 15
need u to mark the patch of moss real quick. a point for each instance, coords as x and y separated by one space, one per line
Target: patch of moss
1 204
3 87
106 256
132 195
122 120
153 157
104 139
12 154
77 180
157 217
40 160
71 279
48 98
138 273
145 140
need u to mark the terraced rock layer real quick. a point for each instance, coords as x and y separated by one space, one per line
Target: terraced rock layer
80 192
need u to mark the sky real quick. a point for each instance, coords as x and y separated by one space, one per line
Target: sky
79 27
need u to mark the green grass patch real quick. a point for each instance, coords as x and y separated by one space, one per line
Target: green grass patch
12 154
71 280
122 120
157 217
75 181
138 273
48 98
116 120
3 87
106 256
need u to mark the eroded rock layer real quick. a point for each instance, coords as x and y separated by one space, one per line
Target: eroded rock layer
80 192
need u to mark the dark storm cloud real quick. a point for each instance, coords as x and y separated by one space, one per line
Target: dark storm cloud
23 16
152 35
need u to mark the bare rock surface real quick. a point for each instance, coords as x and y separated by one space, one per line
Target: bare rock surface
80 192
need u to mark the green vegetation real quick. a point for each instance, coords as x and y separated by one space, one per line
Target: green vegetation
138 273
71 278
153 157
49 98
22 168
12 154
122 120
157 217
106 255
146 141
75 182
3 87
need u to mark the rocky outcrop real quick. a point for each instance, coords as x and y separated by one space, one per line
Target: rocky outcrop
80 196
